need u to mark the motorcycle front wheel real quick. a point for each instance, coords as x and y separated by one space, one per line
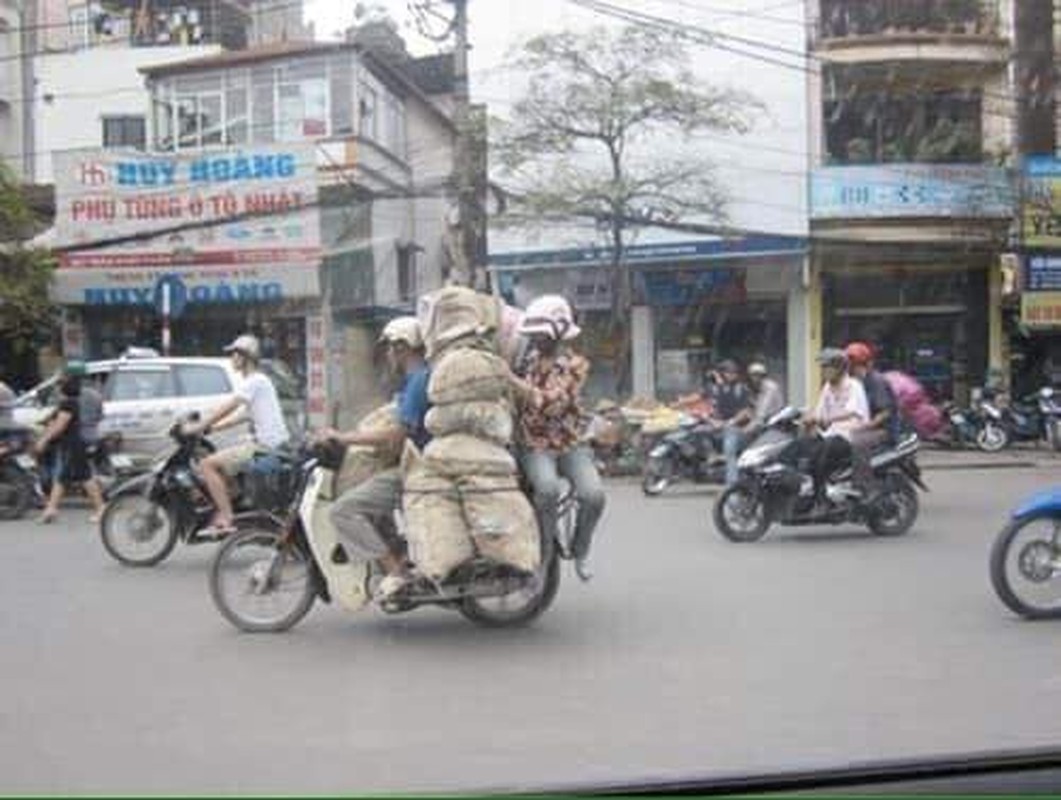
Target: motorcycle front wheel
262 583
1024 567
16 495
658 475
137 531
740 514
992 438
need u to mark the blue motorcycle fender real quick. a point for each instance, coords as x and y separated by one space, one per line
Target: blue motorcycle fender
1047 501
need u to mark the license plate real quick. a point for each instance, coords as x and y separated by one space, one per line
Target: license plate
658 451
119 461
25 461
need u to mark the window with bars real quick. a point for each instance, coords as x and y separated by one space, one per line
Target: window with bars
125 131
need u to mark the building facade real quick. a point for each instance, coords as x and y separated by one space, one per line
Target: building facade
912 201
297 190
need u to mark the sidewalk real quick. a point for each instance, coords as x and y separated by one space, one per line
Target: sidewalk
1016 457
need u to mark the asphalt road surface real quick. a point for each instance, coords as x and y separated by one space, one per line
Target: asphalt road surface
687 656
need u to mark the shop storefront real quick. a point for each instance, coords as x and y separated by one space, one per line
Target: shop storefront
928 321
695 303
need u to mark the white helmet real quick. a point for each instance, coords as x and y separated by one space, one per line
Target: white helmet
247 345
550 315
405 330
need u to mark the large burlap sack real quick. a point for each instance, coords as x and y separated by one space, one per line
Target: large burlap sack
503 524
492 421
467 376
436 529
455 312
361 463
460 455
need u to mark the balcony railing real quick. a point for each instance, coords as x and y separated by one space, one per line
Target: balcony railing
843 19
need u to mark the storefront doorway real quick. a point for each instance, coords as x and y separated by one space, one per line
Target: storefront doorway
931 324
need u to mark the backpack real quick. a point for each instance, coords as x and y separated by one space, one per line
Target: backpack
915 407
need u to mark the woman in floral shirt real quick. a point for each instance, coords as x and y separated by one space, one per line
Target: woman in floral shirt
550 424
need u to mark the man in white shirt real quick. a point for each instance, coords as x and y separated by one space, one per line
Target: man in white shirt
255 398
842 409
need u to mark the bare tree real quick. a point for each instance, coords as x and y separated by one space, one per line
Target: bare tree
593 139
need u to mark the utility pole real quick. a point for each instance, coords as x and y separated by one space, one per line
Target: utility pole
467 269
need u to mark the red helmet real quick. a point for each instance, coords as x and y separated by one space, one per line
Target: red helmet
859 353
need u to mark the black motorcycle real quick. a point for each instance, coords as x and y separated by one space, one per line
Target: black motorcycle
691 453
776 487
1036 418
146 516
19 485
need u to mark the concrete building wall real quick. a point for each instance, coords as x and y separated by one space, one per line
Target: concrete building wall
11 104
76 90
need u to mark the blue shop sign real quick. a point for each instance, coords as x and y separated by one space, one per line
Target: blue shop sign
1042 272
220 293
688 287
900 191
219 169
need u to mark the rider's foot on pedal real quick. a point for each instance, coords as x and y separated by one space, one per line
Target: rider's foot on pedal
584 569
390 586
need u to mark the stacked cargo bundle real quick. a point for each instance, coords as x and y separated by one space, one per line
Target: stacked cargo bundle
462 495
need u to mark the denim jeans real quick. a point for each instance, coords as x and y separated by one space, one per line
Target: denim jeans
732 438
543 470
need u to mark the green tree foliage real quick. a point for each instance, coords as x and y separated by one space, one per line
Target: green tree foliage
26 314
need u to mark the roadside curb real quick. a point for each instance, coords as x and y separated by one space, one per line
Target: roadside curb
982 465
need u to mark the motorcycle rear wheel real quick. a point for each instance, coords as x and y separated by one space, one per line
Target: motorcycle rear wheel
149 524
1032 565
253 570
754 513
901 503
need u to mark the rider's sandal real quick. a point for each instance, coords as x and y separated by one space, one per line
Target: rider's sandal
217 531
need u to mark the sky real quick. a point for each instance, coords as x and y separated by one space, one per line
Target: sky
764 171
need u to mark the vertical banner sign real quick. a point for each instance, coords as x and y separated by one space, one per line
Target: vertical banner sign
316 364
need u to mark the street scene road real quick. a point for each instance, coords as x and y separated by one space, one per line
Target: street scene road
686 656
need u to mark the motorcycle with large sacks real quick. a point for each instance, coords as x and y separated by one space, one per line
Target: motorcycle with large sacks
146 516
776 488
267 577
1025 561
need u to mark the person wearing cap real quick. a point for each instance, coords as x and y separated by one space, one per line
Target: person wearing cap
549 388
364 515
764 398
732 407
841 411
882 427
255 398
70 462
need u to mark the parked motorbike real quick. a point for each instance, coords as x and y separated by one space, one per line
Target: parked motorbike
963 429
147 515
267 577
1036 418
693 452
772 489
1025 563
19 486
